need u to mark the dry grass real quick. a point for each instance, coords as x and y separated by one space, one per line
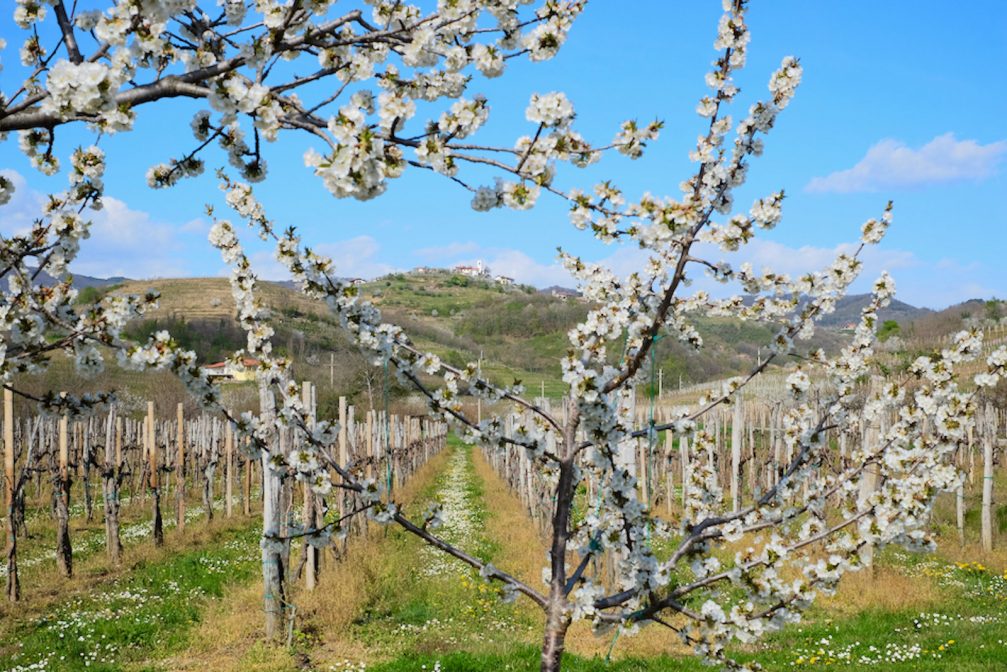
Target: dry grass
210 298
880 588
230 638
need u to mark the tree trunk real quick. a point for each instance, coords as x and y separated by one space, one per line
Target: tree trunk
960 512
13 582
154 475
736 433
310 515
64 550
158 521
557 616
228 467
987 507
208 490
272 510
85 456
180 467
554 642
11 498
110 490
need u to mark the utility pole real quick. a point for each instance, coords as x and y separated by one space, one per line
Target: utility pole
332 369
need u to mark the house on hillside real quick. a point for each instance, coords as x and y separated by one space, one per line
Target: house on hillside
480 270
425 270
228 371
504 280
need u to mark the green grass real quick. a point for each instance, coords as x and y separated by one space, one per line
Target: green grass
967 633
450 606
147 614
526 659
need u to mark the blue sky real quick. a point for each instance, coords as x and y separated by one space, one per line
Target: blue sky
901 101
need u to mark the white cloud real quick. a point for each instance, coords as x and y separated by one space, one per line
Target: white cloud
796 261
130 243
352 258
933 284
449 251
24 207
890 163
355 258
122 241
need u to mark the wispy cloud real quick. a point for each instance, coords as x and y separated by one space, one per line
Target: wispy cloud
447 252
921 282
891 163
123 241
357 257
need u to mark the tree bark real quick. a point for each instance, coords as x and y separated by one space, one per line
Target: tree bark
110 489
154 475
64 549
987 507
554 642
85 456
180 467
10 493
737 431
272 550
557 613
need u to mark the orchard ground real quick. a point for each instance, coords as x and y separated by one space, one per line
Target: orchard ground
194 604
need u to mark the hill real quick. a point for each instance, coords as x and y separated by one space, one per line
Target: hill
517 332
848 311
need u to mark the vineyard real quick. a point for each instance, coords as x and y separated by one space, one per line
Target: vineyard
335 337
136 545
